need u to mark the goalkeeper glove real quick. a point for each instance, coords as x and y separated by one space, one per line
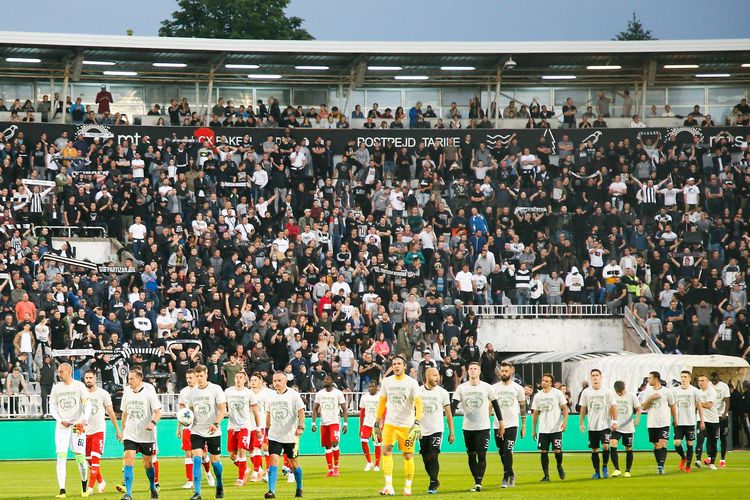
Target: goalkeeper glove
414 434
78 428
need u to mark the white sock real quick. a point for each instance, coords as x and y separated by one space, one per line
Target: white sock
62 459
83 467
407 483
389 481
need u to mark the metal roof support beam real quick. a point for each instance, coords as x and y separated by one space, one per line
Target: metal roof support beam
496 112
65 91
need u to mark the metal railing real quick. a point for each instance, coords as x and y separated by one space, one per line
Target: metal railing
68 231
646 340
542 311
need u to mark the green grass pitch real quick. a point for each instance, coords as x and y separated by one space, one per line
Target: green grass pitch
36 480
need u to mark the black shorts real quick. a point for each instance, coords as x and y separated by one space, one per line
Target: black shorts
430 445
477 441
506 443
598 438
145 449
656 434
713 429
289 449
685 432
211 444
625 437
544 441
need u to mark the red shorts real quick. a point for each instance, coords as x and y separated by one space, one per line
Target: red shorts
238 439
365 432
186 446
94 445
329 434
256 443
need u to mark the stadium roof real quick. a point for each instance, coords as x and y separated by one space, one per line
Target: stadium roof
442 63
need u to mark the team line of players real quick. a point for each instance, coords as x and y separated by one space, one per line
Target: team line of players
269 422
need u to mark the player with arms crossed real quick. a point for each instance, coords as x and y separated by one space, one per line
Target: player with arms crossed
285 423
399 415
475 398
101 403
209 404
598 403
330 403
368 409
512 401
687 399
709 401
184 434
659 401
628 417
244 419
141 411
259 440
550 410
435 402
722 407
70 406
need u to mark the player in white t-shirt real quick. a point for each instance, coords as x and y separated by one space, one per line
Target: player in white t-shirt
183 433
709 401
141 411
330 404
687 400
368 409
598 403
285 423
101 405
512 401
70 406
628 417
722 396
400 412
550 411
244 418
258 443
476 398
659 401
436 402
209 405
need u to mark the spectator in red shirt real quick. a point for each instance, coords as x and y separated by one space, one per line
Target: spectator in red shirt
103 99
25 306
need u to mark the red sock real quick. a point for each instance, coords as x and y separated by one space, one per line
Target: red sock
236 462
207 465
377 455
257 461
329 458
286 462
336 455
156 470
242 464
366 451
189 469
93 471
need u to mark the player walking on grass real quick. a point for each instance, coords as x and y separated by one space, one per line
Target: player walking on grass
70 406
101 404
722 408
141 411
628 417
330 404
512 401
709 403
687 398
475 399
285 423
550 411
259 440
244 419
659 401
368 409
184 434
399 416
598 403
209 404
436 402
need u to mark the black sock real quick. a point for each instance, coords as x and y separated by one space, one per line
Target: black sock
435 467
657 454
481 466
605 457
628 459
545 464
689 454
723 441
473 464
680 451
615 458
664 453
558 458
84 485
595 460
508 464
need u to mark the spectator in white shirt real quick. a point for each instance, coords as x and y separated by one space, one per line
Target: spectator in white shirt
137 233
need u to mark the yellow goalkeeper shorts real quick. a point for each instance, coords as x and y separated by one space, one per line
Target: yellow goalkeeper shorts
394 434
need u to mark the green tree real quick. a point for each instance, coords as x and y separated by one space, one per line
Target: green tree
635 31
237 19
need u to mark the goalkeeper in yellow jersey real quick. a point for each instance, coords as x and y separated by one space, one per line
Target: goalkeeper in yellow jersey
398 416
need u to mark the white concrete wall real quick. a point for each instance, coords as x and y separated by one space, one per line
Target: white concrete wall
96 250
549 335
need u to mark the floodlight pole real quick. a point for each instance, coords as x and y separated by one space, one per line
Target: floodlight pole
64 93
209 92
496 113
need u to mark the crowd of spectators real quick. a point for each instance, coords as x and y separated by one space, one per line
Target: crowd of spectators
290 255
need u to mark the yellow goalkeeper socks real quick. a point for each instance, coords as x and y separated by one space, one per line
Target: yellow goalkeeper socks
388 465
409 468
